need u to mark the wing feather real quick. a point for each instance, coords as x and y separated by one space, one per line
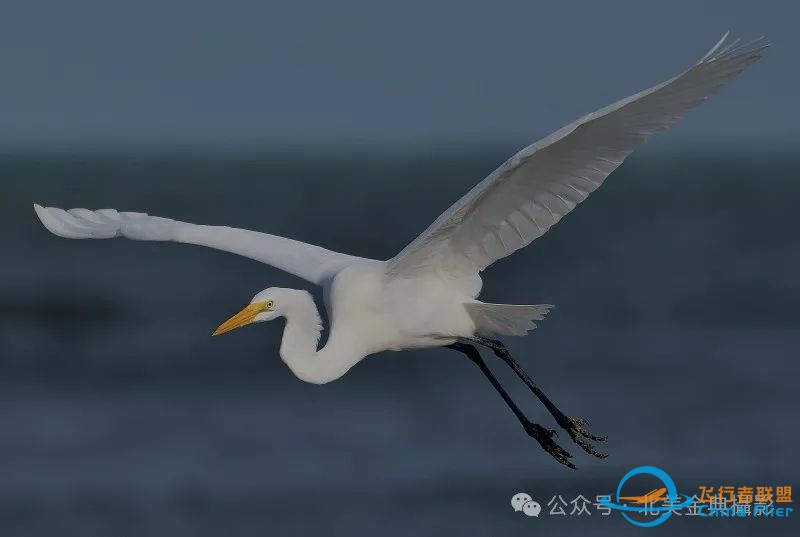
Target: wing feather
307 261
535 188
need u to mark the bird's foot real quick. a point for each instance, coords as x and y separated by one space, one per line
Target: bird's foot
578 431
545 439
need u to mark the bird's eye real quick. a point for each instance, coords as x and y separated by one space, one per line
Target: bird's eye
269 304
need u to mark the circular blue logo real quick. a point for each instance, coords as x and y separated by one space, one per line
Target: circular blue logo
666 511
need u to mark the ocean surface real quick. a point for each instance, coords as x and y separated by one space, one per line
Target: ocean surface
676 332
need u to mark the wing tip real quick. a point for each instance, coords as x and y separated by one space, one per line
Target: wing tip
48 220
727 48
65 225
51 221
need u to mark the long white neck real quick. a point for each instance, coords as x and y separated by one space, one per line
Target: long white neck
300 339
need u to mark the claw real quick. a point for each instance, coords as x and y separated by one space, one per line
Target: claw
582 424
545 439
576 427
590 449
594 437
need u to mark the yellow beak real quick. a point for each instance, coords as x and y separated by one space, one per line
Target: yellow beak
242 318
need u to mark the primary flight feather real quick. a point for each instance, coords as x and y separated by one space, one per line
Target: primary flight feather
426 296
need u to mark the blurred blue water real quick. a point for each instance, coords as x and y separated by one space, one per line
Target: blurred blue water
678 300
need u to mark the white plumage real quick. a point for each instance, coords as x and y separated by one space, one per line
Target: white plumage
307 261
535 188
426 295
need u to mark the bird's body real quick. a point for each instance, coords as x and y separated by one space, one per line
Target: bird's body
426 296
369 313
399 314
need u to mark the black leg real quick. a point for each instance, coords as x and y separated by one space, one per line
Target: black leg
534 430
576 427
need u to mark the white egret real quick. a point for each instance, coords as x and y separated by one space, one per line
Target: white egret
426 296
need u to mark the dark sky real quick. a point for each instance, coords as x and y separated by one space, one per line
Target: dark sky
351 72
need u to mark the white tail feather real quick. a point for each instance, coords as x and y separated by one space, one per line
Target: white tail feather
505 319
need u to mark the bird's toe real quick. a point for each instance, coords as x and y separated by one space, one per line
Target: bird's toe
545 439
578 431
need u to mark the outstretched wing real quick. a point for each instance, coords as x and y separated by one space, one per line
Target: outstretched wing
307 261
535 188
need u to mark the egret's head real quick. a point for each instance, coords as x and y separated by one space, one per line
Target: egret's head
265 306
